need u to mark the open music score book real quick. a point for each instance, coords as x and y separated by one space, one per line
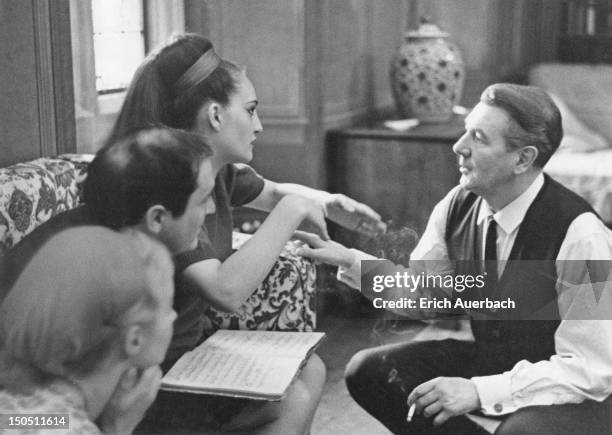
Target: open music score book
249 364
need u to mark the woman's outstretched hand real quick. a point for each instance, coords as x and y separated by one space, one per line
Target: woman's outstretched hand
353 215
324 251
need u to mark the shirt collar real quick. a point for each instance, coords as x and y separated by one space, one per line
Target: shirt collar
511 216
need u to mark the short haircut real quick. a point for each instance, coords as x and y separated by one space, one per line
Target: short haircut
536 118
66 312
155 166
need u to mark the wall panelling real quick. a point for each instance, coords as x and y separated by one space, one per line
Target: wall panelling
36 115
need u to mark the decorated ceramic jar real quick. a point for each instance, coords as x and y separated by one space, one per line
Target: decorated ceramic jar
427 75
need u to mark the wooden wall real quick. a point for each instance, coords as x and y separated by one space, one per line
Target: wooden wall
316 65
323 64
36 95
19 118
357 40
499 39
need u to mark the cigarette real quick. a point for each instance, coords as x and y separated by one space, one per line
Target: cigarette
411 412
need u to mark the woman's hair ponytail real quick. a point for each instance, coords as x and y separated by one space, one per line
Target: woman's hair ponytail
145 104
153 98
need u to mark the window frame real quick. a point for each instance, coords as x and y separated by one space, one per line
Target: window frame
146 48
162 18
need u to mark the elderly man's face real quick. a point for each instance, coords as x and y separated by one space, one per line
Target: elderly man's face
485 164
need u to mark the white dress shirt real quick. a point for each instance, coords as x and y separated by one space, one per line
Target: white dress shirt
582 365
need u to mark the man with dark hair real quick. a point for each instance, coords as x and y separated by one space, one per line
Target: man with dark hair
160 185
544 376
158 181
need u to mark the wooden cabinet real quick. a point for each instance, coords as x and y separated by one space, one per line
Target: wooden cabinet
586 31
402 175
585 49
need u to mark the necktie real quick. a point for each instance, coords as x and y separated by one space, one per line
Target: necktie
490 254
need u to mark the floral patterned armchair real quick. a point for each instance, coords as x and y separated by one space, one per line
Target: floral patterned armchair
33 192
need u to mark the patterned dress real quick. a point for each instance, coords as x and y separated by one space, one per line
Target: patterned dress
57 398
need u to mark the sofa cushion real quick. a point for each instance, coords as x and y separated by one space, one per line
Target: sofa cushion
80 162
586 88
33 192
577 137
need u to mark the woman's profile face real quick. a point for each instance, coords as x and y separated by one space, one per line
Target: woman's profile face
239 124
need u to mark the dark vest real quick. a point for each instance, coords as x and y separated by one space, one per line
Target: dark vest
507 337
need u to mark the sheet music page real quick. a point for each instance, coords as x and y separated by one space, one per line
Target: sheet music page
214 370
257 361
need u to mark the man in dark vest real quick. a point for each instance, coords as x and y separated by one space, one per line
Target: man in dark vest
532 368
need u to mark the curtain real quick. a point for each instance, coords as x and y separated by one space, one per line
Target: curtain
83 66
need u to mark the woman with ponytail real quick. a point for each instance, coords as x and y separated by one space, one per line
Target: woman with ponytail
186 85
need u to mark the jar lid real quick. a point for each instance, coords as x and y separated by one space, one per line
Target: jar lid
426 30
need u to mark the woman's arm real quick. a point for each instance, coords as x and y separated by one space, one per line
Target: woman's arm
339 208
226 285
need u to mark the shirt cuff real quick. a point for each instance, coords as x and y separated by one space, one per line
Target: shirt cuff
351 276
495 394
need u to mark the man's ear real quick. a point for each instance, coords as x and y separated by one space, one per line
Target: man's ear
154 218
215 117
134 340
526 158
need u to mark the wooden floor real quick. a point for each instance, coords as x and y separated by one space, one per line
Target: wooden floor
351 325
337 412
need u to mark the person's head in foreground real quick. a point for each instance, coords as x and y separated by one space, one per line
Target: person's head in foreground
158 181
86 325
510 135
186 85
